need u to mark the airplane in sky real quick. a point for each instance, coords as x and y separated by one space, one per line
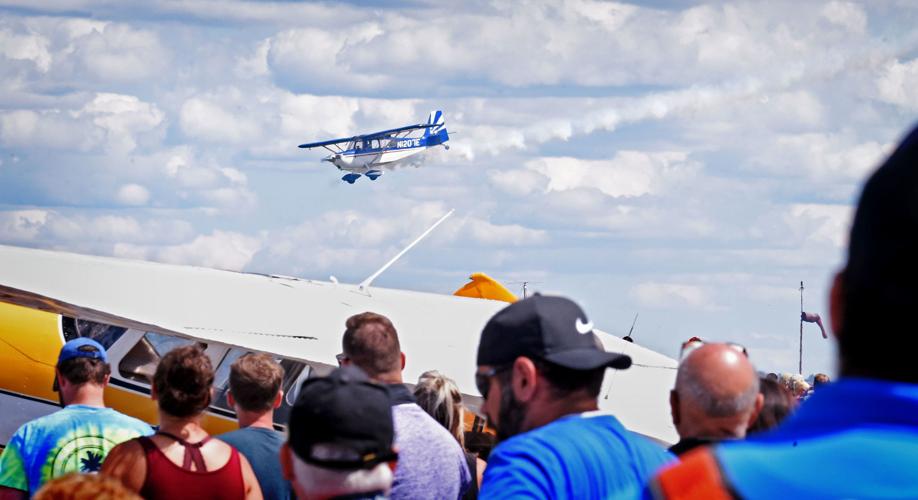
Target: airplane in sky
367 154
140 310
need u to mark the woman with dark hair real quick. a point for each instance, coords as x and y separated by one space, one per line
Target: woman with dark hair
439 396
779 403
181 460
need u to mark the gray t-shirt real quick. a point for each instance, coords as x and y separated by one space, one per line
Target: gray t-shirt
431 464
262 449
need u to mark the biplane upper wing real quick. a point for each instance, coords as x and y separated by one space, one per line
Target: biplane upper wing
372 135
301 319
330 142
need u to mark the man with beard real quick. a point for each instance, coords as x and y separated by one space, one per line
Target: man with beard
540 369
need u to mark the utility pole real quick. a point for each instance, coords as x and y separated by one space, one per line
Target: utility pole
800 359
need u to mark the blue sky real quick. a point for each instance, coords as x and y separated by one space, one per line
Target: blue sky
689 161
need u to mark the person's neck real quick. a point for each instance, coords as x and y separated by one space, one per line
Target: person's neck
260 420
187 428
86 395
552 410
389 378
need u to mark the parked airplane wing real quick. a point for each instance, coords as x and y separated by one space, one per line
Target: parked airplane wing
299 319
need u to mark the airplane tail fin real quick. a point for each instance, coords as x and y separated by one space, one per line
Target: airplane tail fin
483 286
437 134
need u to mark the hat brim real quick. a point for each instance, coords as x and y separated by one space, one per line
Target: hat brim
589 359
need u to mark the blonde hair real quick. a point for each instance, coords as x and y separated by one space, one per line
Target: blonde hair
439 396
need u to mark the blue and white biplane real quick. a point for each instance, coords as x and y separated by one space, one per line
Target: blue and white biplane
366 154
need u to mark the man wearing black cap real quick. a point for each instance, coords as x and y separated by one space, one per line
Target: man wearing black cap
340 438
540 368
74 439
863 429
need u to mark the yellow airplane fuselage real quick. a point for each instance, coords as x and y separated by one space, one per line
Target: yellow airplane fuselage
30 340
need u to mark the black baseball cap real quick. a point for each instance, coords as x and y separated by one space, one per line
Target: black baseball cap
346 413
554 329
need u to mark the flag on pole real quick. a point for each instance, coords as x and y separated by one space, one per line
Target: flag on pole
814 318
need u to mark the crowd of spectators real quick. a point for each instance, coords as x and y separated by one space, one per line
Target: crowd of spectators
361 432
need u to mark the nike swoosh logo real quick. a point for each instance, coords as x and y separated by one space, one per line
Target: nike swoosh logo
583 328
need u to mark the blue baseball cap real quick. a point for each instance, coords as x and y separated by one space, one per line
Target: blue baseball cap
82 347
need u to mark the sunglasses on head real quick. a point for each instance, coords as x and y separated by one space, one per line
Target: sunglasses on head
695 342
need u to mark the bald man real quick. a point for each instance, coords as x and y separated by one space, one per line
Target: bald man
716 397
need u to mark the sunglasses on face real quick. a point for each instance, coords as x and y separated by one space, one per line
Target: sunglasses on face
483 379
691 345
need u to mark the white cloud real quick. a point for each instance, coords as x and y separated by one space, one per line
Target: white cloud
220 249
208 121
822 223
672 296
898 84
113 122
133 194
847 15
628 174
29 47
116 52
822 156
20 226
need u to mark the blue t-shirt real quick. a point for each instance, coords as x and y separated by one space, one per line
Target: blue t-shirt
76 438
262 448
582 456
855 438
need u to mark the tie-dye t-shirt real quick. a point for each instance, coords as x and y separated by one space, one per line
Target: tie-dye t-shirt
74 439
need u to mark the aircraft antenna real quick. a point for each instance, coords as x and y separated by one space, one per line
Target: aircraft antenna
628 337
365 284
525 285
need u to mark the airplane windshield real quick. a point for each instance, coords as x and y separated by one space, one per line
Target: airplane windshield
140 362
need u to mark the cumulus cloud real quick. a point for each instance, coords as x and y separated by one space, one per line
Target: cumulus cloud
114 51
898 84
133 194
26 47
220 249
628 174
823 156
111 122
86 231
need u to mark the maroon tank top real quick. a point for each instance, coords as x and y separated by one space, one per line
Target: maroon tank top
165 480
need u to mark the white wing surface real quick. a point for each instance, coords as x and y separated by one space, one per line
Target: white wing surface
301 319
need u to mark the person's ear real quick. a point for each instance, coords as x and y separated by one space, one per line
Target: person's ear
524 379
674 406
279 399
106 379
286 462
153 395
230 400
837 303
403 360
393 464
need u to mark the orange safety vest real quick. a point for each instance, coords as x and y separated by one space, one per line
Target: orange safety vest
698 475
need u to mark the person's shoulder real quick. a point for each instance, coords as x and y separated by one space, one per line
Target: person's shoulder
115 417
251 434
37 427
